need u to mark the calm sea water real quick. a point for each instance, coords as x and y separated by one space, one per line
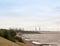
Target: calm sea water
48 38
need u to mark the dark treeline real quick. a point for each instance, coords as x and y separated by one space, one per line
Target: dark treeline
10 34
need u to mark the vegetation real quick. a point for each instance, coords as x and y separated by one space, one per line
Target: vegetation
19 39
10 35
5 42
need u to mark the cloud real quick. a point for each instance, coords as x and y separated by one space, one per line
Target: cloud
28 13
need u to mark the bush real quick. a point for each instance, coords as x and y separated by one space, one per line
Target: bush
19 39
10 35
2 32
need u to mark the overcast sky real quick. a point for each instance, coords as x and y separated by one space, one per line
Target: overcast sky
29 14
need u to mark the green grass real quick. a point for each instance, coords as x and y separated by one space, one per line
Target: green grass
5 42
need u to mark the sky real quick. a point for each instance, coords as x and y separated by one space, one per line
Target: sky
30 14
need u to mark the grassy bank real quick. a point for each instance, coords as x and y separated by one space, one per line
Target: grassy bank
5 42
